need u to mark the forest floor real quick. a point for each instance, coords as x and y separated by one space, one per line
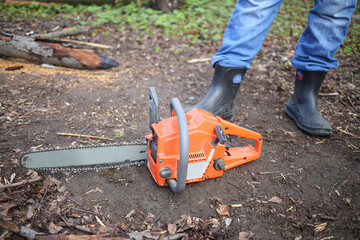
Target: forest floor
302 187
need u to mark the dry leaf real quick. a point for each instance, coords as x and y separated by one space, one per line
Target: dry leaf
3 197
223 210
5 207
189 220
149 218
172 228
53 205
17 150
30 212
245 235
215 223
54 229
320 227
51 181
32 174
275 200
12 177
215 198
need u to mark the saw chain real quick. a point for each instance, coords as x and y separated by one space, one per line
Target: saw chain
96 166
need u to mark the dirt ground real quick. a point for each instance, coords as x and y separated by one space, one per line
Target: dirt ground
302 187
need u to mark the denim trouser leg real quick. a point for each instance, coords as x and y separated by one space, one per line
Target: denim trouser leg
328 23
251 20
246 31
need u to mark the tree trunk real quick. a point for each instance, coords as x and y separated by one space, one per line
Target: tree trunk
52 52
167 6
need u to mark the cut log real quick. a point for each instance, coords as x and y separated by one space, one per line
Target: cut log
52 52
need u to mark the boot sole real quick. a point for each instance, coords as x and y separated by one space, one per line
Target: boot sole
311 131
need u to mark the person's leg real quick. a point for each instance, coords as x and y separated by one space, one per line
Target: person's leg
244 35
246 32
314 55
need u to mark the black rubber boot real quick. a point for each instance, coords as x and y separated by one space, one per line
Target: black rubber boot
219 100
302 106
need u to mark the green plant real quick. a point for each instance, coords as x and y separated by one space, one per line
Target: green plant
198 20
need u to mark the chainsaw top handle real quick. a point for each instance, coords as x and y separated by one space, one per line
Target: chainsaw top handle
179 185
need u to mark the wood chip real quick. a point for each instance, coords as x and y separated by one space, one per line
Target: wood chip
275 200
99 221
320 227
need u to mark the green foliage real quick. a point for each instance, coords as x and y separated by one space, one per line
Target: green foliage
198 19
33 10
290 20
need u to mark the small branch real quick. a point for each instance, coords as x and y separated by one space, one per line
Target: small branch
21 182
263 173
84 136
23 231
97 45
85 229
196 60
62 33
328 94
343 131
333 188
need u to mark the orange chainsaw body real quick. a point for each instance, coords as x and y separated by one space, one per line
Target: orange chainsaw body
204 154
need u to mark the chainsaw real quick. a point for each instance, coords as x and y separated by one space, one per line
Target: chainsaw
185 148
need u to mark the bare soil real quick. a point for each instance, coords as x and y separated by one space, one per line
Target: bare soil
302 187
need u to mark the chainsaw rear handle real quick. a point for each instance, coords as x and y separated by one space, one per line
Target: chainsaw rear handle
246 154
179 185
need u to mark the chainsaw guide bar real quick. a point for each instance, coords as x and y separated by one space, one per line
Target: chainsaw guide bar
87 158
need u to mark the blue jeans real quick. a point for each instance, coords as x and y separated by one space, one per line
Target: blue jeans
251 20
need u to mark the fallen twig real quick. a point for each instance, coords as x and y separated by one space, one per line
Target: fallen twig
97 45
99 221
84 210
348 133
80 237
328 94
263 173
235 186
297 190
61 33
23 231
333 188
195 60
84 136
85 229
21 182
